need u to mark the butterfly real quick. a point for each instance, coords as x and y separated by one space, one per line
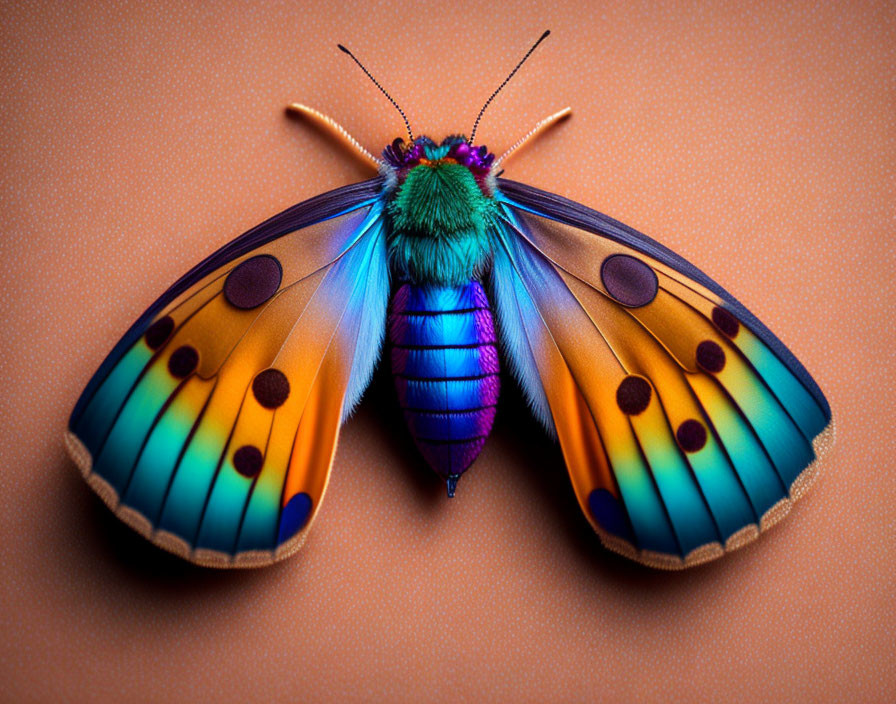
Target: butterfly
686 426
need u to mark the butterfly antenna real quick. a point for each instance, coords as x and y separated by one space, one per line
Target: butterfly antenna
337 130
531 134
506 81
376 83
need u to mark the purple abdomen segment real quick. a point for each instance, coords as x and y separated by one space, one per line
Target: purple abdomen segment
445 366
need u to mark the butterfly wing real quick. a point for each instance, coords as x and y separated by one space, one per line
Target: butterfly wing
687 427
211 426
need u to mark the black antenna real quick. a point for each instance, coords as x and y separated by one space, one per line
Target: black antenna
376 83
488 102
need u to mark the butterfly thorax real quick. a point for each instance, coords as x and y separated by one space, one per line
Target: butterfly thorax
440 211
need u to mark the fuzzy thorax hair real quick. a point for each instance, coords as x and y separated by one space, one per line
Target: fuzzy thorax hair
440 220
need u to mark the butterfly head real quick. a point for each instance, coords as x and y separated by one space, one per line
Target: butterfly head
424 152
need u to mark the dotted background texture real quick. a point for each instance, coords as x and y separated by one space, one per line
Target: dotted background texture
755 139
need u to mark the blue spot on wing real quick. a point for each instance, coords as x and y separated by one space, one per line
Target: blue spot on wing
609 514
295 515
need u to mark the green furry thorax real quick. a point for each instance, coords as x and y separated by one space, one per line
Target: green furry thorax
440 220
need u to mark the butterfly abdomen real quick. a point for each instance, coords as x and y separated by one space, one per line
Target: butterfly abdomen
445 366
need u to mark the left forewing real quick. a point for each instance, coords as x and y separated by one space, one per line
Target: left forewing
212 429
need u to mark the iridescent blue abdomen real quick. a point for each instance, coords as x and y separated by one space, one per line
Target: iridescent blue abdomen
445 366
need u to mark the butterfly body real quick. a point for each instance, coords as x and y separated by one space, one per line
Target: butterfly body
441 329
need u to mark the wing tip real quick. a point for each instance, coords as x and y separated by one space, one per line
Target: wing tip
166 540
709 552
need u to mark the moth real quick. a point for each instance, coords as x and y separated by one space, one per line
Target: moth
686 426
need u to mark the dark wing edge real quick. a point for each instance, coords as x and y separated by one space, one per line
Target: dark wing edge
317 209
568 211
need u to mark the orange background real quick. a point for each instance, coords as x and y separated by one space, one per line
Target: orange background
757 140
